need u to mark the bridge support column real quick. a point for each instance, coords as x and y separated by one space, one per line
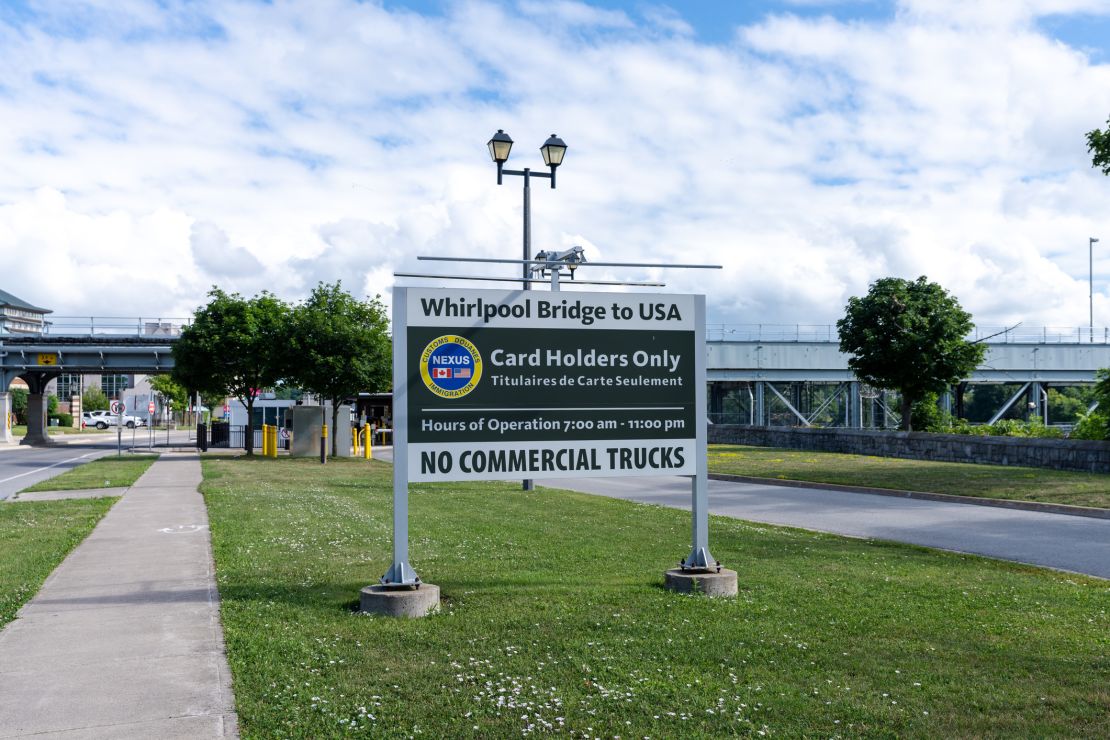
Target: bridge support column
36 410
5 417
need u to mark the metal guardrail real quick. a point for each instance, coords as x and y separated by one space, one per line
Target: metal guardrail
134 326
141 326
828 333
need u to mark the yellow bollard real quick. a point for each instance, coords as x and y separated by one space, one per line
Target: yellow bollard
273 441
265 440
369 438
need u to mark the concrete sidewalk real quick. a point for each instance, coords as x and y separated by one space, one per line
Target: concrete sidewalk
124 639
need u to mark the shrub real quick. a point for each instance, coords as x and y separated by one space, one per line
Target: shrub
64 419
1092 425
928 417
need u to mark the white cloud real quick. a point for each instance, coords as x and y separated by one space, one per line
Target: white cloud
272 146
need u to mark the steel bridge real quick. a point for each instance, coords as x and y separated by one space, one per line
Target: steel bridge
761 374
757 373
79 346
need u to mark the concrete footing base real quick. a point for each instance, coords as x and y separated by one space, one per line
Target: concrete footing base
399 602
711 583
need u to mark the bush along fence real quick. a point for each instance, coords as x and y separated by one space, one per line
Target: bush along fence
1057 454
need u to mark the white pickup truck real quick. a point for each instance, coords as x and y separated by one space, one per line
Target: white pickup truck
105 419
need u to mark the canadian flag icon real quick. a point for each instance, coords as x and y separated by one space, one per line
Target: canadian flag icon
441 372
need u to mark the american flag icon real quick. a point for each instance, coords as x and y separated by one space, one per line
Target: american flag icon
462 372
441 372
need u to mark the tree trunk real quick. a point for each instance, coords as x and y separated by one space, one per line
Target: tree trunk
248 431
907 413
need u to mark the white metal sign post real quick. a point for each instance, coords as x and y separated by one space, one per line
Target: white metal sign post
504 385
117 408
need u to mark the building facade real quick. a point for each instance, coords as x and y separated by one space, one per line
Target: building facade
18 317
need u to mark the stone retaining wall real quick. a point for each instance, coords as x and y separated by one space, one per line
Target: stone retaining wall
1058 454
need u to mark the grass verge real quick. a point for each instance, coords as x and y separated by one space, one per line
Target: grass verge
957 479
107 472
34 538
554 620
20 430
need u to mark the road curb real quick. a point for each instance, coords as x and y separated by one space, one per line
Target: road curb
1065 509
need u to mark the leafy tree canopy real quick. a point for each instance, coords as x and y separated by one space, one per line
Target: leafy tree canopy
235 347
1098 144
909 336
94 399
170 390
19 403
340 346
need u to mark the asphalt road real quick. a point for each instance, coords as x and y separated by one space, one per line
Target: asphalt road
1072 543
21 466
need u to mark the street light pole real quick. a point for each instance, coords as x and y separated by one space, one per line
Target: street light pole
553 150
525 285
1091 284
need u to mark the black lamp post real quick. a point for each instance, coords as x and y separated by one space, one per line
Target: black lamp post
553 151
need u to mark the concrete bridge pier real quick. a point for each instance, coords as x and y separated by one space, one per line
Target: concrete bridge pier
36 409
5 417
6 405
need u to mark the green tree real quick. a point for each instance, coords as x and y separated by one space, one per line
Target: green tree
93 399
19 404
173 393
341 346
1098 144
1096 423
170 390
235 347
909 336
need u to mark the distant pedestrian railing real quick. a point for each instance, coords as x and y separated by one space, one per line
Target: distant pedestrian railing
827 333
137 326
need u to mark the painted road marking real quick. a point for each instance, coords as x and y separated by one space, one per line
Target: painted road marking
48 467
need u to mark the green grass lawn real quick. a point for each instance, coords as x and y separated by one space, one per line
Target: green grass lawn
959 479
35 537
20 430
554 619
107 472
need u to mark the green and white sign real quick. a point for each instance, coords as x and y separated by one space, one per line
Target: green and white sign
515 384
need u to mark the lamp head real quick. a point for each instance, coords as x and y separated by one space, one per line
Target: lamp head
499 146
553 150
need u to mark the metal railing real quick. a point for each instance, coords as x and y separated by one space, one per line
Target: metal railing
133 326
827 333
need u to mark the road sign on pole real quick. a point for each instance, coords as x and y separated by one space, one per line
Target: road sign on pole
117 408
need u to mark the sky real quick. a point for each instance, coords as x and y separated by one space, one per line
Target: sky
153 150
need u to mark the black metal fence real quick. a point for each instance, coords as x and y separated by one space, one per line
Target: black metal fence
230 436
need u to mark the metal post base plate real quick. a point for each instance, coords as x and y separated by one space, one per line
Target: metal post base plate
700 559
400 575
